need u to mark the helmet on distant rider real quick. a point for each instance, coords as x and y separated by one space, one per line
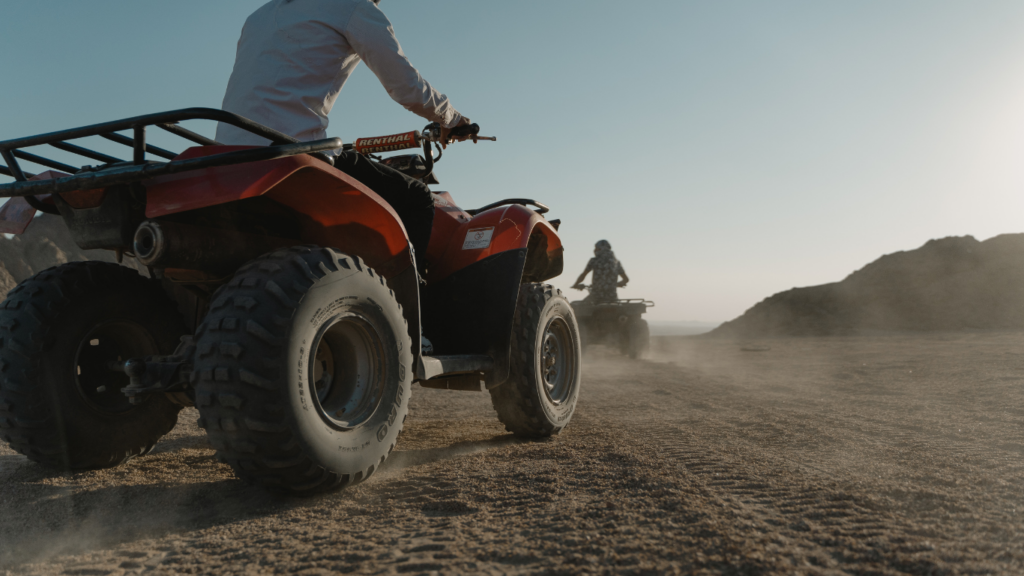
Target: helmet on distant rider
603 245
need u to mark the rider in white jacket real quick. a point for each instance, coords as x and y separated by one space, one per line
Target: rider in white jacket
294 57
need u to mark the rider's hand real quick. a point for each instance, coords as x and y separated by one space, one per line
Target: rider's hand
622 284
577 286
446 133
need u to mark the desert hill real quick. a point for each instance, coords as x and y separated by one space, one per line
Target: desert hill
46 243
953 283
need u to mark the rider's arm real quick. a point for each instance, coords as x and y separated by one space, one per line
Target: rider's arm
625 279
584 275
370 34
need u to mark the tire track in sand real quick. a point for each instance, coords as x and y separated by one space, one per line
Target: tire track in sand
818 525
785 468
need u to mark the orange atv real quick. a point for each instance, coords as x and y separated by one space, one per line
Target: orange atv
282 300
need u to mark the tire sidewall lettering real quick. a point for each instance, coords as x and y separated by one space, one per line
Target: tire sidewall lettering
327 299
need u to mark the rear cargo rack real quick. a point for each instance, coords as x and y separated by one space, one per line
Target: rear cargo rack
115 171
647 303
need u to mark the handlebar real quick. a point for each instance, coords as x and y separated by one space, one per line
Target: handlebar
471 131
431 134
391 143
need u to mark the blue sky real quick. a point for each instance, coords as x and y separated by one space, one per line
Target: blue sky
727 150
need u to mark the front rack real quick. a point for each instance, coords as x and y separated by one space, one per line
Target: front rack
114 171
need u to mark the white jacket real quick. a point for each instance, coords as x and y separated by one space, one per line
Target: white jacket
294 57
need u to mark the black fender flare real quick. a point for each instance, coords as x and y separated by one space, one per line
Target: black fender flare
472 310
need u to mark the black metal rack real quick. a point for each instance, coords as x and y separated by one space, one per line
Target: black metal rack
115 171
647 303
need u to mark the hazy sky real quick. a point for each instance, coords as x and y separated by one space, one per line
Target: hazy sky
727 150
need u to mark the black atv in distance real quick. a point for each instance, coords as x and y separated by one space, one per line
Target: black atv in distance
617 324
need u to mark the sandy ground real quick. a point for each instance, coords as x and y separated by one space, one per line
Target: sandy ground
867 455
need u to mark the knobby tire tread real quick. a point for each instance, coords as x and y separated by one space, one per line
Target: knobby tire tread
516 401
239 370
29 318
639 339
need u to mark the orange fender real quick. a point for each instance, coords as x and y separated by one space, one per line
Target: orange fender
337 210
459 241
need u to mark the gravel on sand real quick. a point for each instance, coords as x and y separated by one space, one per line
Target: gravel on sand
895 454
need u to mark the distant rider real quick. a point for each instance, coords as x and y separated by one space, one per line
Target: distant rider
294 57
606 269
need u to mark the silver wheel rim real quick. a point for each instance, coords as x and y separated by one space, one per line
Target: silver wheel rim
558 361
346 371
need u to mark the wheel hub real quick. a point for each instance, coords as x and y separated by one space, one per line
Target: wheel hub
558 360
109 342
346 374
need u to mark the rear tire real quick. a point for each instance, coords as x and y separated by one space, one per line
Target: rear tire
584 337
639 338
60 404
540 396
304 368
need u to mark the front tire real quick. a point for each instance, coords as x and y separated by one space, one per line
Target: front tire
60 403
540 396
304 370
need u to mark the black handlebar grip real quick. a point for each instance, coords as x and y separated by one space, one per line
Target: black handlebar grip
471 130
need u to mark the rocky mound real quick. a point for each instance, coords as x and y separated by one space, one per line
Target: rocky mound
46 243
955 283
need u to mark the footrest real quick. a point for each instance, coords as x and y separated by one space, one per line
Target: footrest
434 366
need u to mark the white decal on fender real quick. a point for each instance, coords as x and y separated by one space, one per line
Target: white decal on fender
478 238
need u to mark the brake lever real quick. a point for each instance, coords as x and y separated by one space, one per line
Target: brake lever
472 132
432 132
